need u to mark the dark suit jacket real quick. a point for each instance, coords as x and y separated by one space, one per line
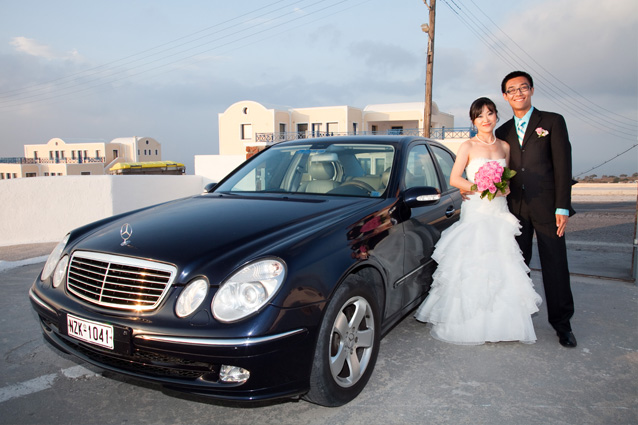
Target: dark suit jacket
543 166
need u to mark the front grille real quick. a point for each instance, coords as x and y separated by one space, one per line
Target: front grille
119 282
148 363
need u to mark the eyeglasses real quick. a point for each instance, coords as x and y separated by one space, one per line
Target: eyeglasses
522 89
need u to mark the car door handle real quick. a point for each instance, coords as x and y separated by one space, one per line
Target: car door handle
450 211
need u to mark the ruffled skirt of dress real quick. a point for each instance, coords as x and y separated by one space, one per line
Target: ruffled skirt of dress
481 291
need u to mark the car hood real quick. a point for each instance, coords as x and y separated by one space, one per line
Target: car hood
192 232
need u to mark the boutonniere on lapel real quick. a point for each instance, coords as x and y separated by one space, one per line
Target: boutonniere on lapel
541 132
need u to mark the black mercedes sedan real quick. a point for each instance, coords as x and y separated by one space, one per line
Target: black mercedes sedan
279 281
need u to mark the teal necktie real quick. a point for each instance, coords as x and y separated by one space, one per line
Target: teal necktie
520 131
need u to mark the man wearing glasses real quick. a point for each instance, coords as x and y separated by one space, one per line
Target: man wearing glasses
540 193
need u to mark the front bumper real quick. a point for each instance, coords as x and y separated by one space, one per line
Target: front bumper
279 364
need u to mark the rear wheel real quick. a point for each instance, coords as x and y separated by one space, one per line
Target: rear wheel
347 345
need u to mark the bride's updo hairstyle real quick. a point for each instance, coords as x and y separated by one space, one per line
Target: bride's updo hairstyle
477 108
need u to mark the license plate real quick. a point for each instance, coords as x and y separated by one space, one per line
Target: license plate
89 331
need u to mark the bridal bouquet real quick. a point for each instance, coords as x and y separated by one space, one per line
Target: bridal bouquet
491 177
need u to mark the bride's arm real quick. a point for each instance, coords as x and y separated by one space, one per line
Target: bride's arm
456 176
506 148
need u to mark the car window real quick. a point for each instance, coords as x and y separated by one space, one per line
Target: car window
332 169
420 169
445 160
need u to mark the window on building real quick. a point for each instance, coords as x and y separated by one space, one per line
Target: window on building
35 154
31 174
397 130
156 152
379 166
316 129
246 131
86 154
365 165
354 128
50 154
332 128
97 154
72 154
375 129
115 153
1 176
282 131
138 152
85 173
46 174
302 129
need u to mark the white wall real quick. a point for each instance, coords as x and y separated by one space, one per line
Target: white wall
44 209
213 168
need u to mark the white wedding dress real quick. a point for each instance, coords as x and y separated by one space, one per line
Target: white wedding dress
481 290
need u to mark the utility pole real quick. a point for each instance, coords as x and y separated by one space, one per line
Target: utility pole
429 29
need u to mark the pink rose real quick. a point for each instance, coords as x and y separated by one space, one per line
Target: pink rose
541 132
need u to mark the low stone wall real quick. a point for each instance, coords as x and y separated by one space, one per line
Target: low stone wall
44 209
605 192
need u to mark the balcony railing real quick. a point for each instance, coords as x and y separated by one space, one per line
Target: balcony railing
19 160
435 133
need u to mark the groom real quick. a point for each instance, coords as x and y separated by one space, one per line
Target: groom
540 194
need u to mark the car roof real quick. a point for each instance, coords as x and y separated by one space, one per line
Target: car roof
359 139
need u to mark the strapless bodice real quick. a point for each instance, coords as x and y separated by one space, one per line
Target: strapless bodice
475 163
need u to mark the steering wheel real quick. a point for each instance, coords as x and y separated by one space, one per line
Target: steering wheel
361 185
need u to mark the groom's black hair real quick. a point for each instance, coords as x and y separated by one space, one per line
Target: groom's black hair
516 74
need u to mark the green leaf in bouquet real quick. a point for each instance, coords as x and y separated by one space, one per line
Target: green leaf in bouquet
508 174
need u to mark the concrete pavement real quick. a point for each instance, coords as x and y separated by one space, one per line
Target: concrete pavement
417 379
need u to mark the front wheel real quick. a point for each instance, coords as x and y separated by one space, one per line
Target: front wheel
347 345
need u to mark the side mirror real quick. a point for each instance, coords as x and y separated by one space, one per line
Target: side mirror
421 196
209 187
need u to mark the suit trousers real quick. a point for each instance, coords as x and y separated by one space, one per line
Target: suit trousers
552 252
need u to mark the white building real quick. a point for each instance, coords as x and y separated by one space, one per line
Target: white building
247 126
61 158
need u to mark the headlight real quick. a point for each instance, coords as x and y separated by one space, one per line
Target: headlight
191 297
249 289
53 259
60 271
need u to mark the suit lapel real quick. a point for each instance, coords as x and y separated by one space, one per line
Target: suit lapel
532 125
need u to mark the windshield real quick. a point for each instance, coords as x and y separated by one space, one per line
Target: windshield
337 169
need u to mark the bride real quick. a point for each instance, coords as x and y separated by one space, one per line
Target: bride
481 290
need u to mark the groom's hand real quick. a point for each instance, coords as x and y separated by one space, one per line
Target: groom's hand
561 224
466 193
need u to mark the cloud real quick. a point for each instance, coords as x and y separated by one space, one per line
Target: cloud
386 57
34 48
566 38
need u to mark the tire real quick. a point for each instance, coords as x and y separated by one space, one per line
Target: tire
347 346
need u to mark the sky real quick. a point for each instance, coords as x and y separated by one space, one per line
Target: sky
99 70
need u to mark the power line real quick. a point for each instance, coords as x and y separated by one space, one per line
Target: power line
609 160
124 74
512 59
632 122
505 53
89 71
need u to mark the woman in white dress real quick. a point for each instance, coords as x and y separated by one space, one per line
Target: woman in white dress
481 290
